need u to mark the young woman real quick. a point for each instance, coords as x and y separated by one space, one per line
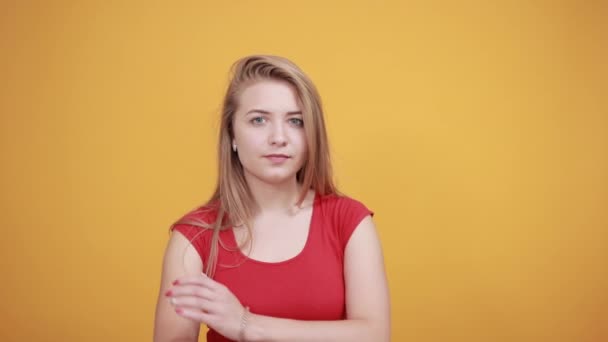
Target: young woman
276 254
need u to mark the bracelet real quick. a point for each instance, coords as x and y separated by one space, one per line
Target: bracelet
244 320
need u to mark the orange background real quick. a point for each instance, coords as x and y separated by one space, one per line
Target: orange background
477 132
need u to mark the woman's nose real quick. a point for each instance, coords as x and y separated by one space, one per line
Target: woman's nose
277 135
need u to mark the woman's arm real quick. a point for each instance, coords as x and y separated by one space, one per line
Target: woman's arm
204 300
180 258
367 301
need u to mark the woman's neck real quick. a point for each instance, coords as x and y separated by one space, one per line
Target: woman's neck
280 197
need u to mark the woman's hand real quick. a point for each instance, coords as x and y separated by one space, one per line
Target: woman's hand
204 300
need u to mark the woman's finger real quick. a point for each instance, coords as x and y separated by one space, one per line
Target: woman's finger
195 303
191 290
201 280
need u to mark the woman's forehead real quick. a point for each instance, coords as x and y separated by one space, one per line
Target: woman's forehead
270 96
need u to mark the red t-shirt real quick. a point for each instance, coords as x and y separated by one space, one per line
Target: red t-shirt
309 286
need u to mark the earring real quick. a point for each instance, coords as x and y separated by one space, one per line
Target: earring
234 146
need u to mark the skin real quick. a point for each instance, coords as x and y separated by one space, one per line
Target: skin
268 122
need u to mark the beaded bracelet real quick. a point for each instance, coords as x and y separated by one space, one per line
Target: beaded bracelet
244 320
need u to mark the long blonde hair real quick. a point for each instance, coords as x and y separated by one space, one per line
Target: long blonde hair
232 198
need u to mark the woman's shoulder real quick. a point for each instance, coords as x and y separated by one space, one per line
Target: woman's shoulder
197 222
343 214
340 202
340 208
202 215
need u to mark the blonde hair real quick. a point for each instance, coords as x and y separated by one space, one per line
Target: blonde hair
232 198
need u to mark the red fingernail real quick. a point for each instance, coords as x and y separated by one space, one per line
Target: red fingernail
168 293
175 282
179 311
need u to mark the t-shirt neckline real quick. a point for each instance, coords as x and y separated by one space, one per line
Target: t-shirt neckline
295 257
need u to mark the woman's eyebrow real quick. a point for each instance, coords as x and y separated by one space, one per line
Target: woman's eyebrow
261 111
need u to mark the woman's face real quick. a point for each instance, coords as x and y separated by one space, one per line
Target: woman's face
269 133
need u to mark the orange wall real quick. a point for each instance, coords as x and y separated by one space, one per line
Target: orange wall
478 133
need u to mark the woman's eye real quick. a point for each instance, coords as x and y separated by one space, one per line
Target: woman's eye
297 122
258 120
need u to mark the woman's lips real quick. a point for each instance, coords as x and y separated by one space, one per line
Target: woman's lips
276 158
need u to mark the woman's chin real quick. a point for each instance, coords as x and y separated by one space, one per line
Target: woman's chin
277 178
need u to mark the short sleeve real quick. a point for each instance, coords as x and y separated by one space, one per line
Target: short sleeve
350 213
198 236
